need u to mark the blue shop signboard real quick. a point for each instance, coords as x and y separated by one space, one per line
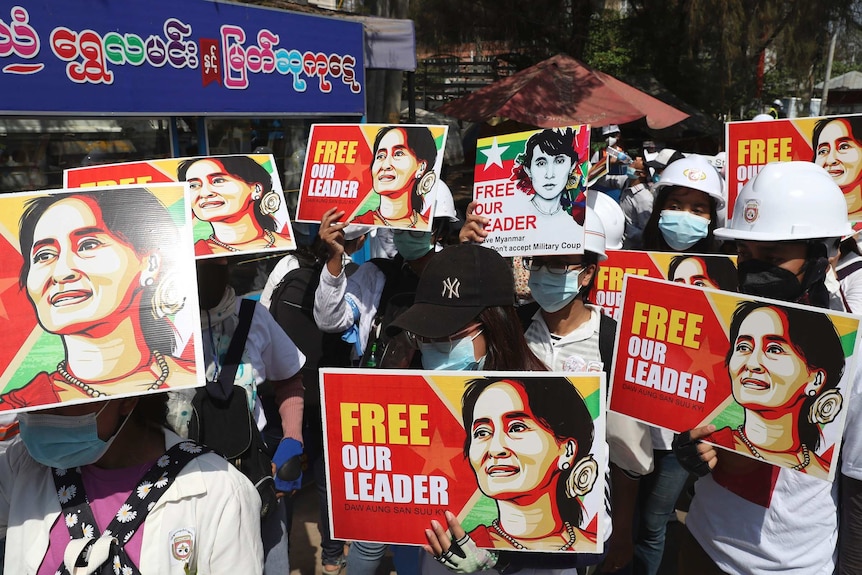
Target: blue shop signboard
163 57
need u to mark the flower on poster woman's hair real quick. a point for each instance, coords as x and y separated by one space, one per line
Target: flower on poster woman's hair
578 210
270 203
520 177
582 478
826 407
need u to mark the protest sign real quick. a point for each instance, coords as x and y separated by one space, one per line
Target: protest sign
833 142
237 201
530 186
107 303
378 174
716 271
773 377
397 456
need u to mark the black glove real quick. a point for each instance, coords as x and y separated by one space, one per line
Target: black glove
688 456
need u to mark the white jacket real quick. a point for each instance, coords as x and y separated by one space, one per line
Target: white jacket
365 287
209 499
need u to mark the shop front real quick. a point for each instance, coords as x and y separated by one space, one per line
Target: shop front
101 81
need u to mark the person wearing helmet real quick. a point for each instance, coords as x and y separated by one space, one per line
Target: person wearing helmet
689 196
637 199
777 109
762 117
748 516
568 333
612 217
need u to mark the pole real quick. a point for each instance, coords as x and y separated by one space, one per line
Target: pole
828 72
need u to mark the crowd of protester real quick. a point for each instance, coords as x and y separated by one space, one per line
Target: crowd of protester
531 314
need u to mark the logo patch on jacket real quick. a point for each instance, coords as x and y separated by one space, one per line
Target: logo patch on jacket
182 544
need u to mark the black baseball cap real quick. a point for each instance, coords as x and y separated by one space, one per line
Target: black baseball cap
457 284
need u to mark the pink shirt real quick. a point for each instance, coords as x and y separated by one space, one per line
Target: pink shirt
107 490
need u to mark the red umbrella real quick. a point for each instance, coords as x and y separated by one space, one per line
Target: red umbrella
559 92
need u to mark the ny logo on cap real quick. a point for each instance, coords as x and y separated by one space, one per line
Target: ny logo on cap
451 287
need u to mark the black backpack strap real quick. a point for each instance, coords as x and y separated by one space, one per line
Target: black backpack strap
222 388
847 270
607 335
392 271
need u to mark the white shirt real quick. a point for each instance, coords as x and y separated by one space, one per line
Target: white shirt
637 203
796 534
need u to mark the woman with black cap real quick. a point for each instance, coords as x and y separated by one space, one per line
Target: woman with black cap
463 318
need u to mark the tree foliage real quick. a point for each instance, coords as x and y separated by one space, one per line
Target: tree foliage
723 56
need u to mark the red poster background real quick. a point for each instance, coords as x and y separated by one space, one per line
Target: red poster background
675 410
117 174
752 145
337 173
441 457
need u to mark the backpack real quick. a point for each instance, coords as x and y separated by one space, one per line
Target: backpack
222 421
292 307
399 292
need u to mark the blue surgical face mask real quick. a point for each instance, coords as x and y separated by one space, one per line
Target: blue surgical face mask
457 355
64 441
553 292
681 229
412 245
631 173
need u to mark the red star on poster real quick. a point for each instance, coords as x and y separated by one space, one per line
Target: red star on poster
707 361
439 456
5 284
356 172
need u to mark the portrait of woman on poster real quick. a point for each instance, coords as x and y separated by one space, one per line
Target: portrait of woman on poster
714 272
529 446
837 144
785 365
402 174
235 195
549 172
99 271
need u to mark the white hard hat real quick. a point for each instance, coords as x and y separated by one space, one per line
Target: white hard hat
610 129
761 117
594 234
694 172
445 203
612 216
788 201
353 231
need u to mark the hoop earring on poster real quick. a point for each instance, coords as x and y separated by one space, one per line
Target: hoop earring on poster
565 462
255 195
426 183
814 387
582 478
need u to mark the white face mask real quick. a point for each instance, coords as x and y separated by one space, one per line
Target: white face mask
612 140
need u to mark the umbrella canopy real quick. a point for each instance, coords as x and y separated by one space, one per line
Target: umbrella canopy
561 91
